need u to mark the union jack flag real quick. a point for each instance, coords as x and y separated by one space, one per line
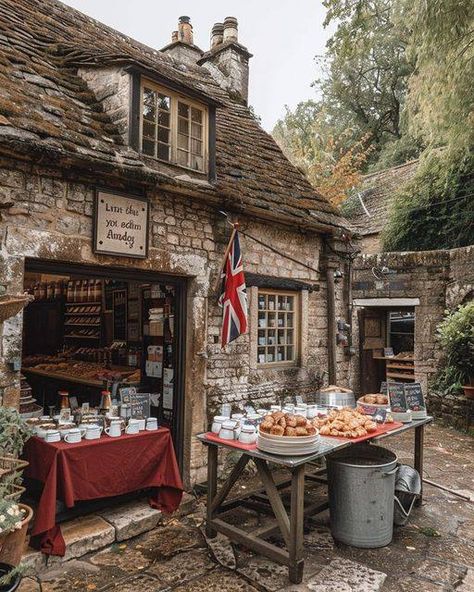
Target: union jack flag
233 298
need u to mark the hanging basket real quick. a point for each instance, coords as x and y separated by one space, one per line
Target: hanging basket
11 305
9 465
15 493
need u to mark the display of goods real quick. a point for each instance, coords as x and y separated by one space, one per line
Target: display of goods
375 399
345 423
287 424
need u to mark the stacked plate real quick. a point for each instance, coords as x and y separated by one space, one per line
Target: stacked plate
287 445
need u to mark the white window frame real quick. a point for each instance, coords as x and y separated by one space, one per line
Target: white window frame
297 329
174 99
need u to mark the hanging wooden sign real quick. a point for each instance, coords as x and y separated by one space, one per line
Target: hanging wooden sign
120 224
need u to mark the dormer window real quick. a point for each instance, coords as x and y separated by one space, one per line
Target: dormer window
174 129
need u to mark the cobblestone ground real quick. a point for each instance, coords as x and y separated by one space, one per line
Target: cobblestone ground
434 553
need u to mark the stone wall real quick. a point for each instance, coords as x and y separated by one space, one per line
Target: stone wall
49 217
440 279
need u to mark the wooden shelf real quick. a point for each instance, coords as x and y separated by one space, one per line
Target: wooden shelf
96 303
400 375
401 366
82 337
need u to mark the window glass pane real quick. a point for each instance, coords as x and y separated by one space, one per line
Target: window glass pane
289 302
289 353
148 147
182 158
281 336
196 147
289 319
196 115
280 354
289 337
261 355
183 109
163 152
261 301
197 163
149 104
149 129
164 102
164 118
183 126
196 131
271 354
164 135
183 142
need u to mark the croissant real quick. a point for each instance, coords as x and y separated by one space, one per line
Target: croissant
290 431
269 418
266 426
277 430
300 431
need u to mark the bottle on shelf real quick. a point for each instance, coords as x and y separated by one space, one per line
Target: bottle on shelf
70 291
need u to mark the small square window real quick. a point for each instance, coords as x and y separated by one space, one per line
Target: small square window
277 334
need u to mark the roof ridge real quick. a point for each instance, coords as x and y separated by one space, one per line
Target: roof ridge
394 168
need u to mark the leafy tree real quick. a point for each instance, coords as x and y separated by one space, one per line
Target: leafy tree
305 137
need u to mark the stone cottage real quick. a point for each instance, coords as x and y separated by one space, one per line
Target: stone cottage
87 112
400 298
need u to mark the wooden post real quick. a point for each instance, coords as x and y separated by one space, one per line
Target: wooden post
331 311
419 441
297 525
211 487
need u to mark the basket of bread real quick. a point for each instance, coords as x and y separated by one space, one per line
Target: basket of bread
287 434
370 404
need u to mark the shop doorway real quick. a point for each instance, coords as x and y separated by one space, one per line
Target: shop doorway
386 346
88 324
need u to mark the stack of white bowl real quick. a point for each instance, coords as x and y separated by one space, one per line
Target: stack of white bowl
287 445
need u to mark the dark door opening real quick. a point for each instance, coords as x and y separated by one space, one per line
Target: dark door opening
85 318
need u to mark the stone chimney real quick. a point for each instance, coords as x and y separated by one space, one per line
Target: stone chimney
227 59
182 47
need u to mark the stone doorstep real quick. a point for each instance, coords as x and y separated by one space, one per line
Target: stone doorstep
95 531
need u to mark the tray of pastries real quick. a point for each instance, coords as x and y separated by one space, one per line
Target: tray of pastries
345 423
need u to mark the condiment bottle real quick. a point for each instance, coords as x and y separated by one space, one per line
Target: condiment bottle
64 402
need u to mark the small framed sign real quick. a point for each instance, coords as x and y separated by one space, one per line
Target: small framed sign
414 397
121 224
139 402
396 394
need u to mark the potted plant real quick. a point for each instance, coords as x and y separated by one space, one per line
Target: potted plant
14 517
456 336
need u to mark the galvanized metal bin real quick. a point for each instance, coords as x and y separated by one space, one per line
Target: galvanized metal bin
361 481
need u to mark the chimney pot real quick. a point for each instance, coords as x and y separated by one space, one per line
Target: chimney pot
230 29
217 34
185 30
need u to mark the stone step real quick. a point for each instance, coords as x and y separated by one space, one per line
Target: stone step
90 533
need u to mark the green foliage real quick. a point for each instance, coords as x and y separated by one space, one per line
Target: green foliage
456 337
435 210
14 432
367 68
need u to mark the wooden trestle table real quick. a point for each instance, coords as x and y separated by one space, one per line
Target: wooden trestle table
269 499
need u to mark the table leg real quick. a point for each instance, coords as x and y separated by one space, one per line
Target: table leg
211 487
297 525
419 438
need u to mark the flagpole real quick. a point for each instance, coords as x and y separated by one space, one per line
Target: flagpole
235 227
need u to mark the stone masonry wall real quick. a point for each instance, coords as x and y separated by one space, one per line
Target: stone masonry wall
48 217
440 279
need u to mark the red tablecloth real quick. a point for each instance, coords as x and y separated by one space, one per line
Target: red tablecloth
100 468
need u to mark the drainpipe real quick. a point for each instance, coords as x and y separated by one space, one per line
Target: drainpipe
331 309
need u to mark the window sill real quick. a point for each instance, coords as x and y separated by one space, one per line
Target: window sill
174 165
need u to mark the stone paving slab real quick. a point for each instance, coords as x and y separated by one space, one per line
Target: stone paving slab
132 519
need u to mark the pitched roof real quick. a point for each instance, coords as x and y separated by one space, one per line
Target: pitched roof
367 208
47 109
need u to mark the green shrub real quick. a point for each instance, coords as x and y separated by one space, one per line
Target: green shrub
456 337
435 210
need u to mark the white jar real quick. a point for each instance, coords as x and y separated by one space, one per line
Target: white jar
300 411
217 423
227 430
274 408
237 416
311 411
248 434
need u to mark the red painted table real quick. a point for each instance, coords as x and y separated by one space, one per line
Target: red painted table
93 469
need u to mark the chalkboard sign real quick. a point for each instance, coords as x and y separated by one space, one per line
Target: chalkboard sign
396 394
119 307
139 402
414 397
